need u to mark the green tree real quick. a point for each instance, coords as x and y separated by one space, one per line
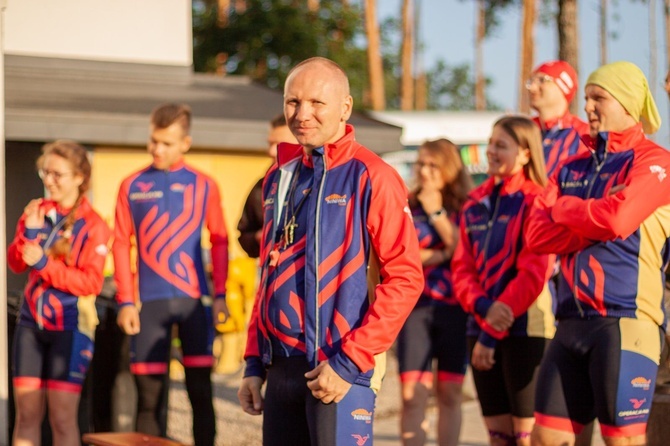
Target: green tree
270 36
452 88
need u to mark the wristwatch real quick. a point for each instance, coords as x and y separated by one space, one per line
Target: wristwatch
437 214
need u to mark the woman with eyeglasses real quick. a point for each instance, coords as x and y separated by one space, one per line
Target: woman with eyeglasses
502 284
435 330
62 243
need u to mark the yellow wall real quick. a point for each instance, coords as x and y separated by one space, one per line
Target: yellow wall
235 173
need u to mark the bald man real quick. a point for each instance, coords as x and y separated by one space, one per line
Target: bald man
340 272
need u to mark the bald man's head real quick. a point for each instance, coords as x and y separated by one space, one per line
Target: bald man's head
317 103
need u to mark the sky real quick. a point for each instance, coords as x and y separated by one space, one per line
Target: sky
447 32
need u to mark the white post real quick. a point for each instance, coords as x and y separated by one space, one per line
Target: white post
4 372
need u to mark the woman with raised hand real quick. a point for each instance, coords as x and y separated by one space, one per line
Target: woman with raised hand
62 243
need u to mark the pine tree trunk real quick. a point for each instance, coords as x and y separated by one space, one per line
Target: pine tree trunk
527 52
568 40
222 13
407 80
313 5
375 69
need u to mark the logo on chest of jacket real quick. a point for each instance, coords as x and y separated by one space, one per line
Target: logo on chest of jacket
340 200
145 193
177 187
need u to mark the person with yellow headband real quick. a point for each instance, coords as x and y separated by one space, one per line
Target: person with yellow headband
607 214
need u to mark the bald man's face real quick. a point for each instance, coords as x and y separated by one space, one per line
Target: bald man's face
317 105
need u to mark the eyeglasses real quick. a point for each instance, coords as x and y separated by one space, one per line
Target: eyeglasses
56 176
419 165
539 80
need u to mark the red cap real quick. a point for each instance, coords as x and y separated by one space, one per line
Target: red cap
563 74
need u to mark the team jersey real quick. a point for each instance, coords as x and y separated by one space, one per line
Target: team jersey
357 217
492 262
162 213
607 214
60 293
560 139
437 289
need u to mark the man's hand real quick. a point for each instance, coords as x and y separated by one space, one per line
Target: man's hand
129 320
32 253
249 395
500 316
325 384
482 357
34 214
220 311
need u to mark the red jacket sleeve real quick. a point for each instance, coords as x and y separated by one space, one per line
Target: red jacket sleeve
394 240
542 234
86 277
620 214
467 286
123 234
218 238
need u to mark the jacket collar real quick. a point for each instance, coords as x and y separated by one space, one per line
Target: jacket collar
173 168
510 185
83 209
561 122
616 141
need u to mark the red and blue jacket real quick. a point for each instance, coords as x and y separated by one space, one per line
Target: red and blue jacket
437 289
492 262
560 139
162 214
359 226
60 293
607 214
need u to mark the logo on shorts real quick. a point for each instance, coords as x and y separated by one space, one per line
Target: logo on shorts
362 415
360 441
337 199
637 403
641 383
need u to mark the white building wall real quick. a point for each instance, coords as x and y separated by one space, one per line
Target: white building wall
142 31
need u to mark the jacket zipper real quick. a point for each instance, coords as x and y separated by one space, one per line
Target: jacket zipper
599 166
489 224
316 260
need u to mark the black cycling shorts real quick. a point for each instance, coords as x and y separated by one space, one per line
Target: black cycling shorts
601 367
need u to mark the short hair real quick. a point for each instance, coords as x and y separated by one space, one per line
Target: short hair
278 121
165 115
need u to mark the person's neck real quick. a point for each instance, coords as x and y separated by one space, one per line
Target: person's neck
552 113
67 203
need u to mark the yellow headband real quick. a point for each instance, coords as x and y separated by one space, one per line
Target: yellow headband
627 83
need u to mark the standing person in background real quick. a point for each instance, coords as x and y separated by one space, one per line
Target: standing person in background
503 285
436 327
606 214
322 318
551 88
162 210
251 222
62 243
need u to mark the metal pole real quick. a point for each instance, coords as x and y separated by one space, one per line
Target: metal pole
4 372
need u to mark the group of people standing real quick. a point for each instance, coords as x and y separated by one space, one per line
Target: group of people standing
548 277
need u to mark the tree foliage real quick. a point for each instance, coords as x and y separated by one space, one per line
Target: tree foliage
270 36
